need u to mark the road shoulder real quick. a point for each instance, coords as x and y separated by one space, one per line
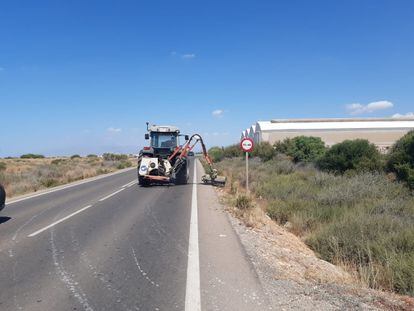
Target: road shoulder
228 279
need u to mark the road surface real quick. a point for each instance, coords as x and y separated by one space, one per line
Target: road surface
109 244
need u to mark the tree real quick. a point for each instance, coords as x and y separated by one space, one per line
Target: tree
232 151
401 159
302 148
216 154
264 151
358 155
32 156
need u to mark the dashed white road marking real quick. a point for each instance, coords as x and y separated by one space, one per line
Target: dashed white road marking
129 184
192 293
73 214
134 183
110 195
58 221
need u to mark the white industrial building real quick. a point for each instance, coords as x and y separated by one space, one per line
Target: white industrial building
382 132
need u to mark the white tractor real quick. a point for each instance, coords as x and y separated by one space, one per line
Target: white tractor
166 161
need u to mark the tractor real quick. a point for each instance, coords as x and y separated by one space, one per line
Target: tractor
165 161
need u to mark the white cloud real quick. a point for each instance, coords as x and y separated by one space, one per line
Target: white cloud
407 115
188 56
114 130
357 108
218 113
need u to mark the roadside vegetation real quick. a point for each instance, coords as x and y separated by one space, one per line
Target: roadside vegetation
29 174
350 204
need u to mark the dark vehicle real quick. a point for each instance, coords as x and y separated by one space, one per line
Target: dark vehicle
2 197
191 154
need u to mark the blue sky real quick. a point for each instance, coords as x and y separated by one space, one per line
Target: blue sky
84 76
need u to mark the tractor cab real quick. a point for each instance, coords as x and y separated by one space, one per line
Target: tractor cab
164 139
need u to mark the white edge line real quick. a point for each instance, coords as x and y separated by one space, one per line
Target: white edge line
59 221
192 293
62 187
110 195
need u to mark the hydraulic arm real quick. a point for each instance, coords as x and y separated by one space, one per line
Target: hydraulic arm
212 176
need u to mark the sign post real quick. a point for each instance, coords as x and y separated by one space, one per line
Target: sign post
247 145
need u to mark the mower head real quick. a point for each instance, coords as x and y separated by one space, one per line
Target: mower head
214 180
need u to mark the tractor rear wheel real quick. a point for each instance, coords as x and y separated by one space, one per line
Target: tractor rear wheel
143 182
181 175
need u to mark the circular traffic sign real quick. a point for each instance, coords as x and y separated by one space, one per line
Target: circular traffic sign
247 144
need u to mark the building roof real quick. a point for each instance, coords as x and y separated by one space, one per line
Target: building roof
253 129
335 124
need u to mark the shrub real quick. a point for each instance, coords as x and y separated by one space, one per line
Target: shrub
243 202
32 156
401 159
49 182
216 154
3 166
75 156
359 155
92 156
302 148
124 164
58 161
264 151
114 157
232 151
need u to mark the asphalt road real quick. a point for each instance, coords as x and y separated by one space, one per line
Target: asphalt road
109 244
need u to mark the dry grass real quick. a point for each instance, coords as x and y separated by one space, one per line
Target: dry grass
20 176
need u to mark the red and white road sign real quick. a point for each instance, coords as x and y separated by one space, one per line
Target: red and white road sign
247 144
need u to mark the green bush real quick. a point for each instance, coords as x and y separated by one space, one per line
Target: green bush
32 156
124 164
92 156
216 154
356 155
232 151
302 148
114 157
75 156
401 159
264 151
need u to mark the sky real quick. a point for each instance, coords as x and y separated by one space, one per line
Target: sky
84 76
